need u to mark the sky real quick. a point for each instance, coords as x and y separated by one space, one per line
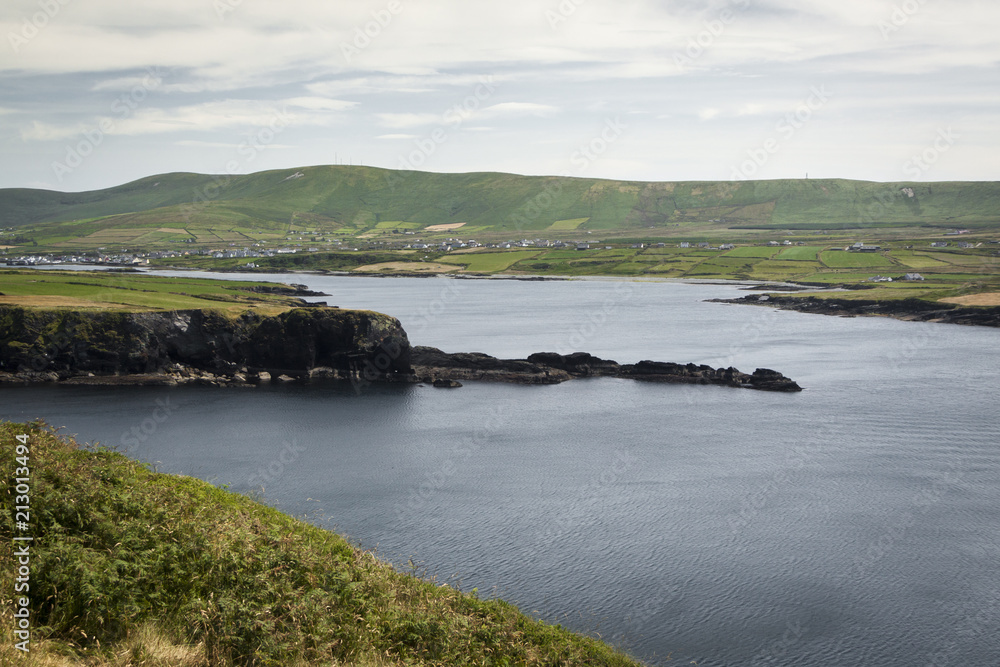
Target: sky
96 93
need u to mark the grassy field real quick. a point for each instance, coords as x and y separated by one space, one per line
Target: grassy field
800 253
753 251
839 259
567 225
966 269
131 567
489 262
916 260
129 291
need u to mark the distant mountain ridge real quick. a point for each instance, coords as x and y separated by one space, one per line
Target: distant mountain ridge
355 199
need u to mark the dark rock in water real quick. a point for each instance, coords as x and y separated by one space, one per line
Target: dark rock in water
447 384
768 380
430 362
659 371
549 368
579 364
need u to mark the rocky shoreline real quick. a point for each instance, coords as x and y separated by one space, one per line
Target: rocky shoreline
434 366
437 368
910 310
208 348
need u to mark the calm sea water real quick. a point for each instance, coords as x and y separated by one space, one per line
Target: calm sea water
854 523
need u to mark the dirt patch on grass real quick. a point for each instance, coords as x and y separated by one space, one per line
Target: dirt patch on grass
984 299
444 228
172 230
419 267
7 247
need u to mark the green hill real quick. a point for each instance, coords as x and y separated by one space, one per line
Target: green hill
131 567
352 201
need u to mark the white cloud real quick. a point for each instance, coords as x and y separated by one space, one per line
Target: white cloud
520 109
41 131
404 120
228 74
751 109
245 115
194 143
320 104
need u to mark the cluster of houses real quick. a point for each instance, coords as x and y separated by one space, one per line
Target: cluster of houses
960 244
707 246
457 244
446 246
121 259
125 258
887 279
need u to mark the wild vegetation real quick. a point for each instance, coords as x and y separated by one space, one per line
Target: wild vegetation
132 567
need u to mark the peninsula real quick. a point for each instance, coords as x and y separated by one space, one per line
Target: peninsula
136 329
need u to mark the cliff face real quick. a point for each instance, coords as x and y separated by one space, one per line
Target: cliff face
68 343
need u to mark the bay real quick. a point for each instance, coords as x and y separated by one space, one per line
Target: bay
853 523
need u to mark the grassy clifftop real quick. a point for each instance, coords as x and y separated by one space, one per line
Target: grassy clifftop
134 292
133 567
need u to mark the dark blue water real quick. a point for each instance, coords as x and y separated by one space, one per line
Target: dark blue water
854 523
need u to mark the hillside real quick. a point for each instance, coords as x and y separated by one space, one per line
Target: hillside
358 201
132 567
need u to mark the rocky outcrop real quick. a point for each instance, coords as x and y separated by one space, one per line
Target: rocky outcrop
913 310
210 347
295 289
658 371
432 365
577 364
201 344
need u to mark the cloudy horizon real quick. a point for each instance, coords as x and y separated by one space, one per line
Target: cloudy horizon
96 94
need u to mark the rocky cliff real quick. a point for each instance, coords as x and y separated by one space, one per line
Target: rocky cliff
57 345
106 347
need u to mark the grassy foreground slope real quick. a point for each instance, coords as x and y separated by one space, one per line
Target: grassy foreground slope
133 567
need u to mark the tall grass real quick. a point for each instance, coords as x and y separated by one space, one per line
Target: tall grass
132 567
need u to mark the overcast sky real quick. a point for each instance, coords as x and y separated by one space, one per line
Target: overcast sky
99 92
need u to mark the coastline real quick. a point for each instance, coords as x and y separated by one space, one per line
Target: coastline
906 310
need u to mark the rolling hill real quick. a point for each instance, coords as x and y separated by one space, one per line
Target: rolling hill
354 201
